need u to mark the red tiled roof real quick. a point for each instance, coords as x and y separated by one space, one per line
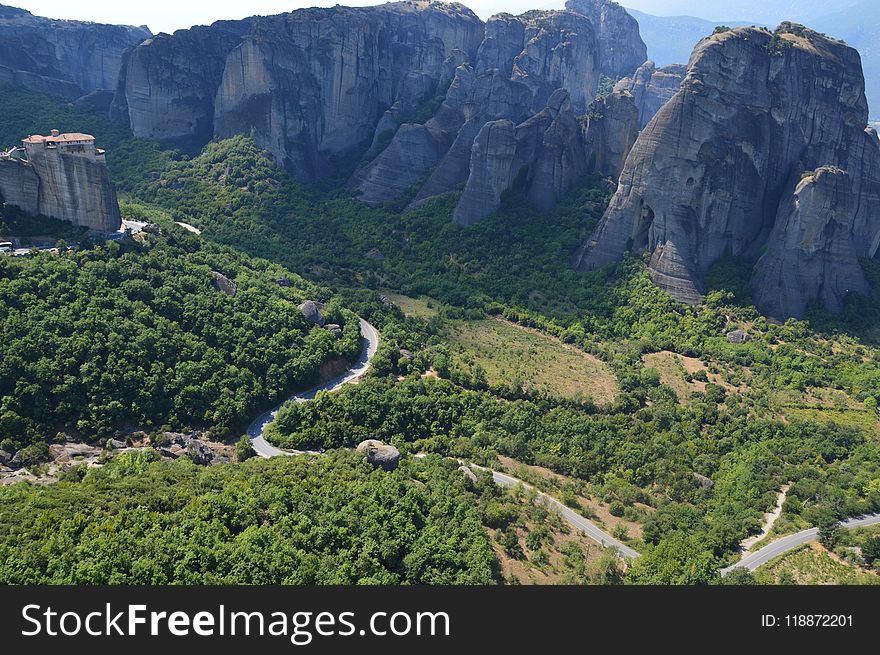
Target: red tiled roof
71 136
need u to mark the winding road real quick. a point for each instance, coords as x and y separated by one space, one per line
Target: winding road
784 544
370 340
257 430
370 336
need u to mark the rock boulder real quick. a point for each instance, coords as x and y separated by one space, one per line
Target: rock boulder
380 455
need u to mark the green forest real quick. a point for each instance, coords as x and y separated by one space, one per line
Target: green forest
328 520
133 335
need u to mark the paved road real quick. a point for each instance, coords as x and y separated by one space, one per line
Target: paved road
579 522
257 430
789 542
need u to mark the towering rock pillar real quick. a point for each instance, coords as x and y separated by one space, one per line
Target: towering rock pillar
717 171
65 177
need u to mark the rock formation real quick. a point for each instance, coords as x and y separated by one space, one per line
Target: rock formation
62 57
311 310
380 455
813 251
610 129
718 170
652 87
413 83
620 45
63 176
224 284
546 149
512 114
309 85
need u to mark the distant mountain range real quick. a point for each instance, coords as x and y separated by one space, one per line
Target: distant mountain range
762 11
671 38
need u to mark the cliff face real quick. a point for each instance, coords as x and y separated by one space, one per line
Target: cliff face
717 169
168 84
61 57
546 150
19 186
610 129
503 116
416 81
620 44
652 87
70 183
309 85
76 189
814 248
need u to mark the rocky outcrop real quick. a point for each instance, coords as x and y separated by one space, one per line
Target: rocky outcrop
62 57
610 129
168 85
311 310
813 251
546 151
501 119
652 87
620 45
67 182
718 170
414 83
380 455
224 284
19 185
738 336
309 85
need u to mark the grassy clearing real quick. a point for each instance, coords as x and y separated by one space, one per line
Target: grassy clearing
811 564
421 307
828 406
509 353
674 370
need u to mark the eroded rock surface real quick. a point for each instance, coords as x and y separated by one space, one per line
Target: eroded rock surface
652 87
62 57
718 171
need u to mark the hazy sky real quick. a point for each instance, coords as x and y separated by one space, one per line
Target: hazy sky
170 15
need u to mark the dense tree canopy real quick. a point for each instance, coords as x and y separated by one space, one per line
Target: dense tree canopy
328 520
136 334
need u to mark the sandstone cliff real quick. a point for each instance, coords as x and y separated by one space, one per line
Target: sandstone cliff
620 44
652 87
410 83
70 184
75 189
309 85
717 171
507 98
610 129
813 251
62 57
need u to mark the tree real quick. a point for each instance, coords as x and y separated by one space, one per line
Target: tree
680 560
871 549
244 450
829 531
739 576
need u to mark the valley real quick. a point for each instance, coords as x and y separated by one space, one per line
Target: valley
636 307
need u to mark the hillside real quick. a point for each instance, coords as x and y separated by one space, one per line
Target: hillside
672 423
136 334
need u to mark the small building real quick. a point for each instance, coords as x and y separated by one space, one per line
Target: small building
72 143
